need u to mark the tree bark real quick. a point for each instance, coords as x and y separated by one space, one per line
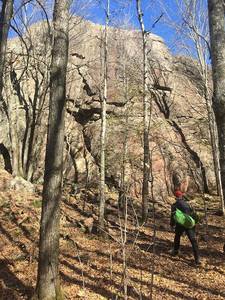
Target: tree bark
103 123
48 283
217 39
6 156
214 145
146 108
12 115
5 17
8 106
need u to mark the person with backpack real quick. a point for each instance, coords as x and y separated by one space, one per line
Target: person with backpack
181 213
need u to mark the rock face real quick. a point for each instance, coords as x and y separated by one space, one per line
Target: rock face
8 182
176 100
18 183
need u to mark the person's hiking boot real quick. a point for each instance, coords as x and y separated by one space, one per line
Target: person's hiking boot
174 252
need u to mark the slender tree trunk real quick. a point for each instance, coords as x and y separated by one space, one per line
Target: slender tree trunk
123 184
214 145
217 38
210 113
146 166
48 283
12 116
5 153
103 123
5 17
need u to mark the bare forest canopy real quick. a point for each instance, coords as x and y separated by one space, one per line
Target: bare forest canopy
169 19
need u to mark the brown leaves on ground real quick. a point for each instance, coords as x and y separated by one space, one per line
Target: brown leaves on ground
92 267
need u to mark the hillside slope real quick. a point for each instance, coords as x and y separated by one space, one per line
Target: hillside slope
91 267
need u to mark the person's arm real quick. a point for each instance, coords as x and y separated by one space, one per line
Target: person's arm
194 214
173 209
191 209
186 198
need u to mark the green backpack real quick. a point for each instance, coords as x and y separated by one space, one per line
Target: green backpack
183 219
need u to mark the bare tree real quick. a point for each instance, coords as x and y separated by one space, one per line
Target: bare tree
103 118
27 88
26 84
48 284
5 17
192 32
146 166
216 11
194 24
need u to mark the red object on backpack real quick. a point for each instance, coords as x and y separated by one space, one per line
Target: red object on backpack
178 194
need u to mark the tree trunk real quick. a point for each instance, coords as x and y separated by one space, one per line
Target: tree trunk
123 184
6 157
217 38
5 17
14 128
146 107
214 145
103 123
48 284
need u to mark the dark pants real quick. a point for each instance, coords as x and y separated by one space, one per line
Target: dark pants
179 230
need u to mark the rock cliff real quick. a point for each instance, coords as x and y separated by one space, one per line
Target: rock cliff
179 138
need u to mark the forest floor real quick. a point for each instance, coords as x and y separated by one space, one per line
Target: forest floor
92 267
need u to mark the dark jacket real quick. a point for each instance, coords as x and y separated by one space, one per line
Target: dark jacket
182 205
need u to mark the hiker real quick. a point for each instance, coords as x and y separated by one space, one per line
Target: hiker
183 206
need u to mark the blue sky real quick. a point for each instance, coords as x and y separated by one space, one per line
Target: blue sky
152 11
120 10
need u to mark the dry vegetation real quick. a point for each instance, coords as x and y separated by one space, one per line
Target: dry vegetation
92 267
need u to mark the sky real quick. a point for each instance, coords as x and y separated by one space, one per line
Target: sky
152 10
170 24
122 13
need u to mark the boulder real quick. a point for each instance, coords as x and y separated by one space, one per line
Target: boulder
18 183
